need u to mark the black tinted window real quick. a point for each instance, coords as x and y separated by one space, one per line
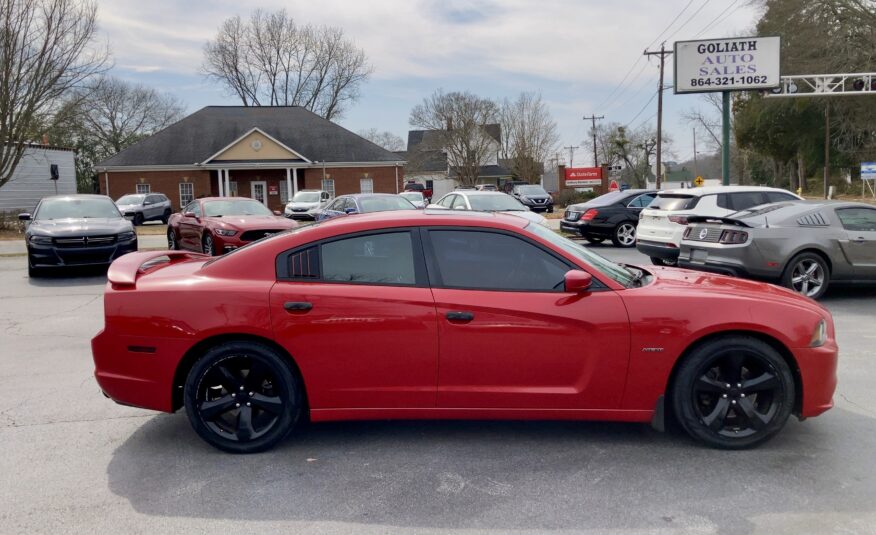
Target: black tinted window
642 201
858 219
777 196
304 264
745 200
379 258
491 261
669 202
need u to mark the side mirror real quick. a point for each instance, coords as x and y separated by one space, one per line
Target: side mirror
277 212
349 210
188 214
24 217
130 216
578 281
147 203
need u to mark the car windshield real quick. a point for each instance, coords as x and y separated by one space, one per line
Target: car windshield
671 201
615 271
235 207
531 190
131 199
306 196
77 208
384 204
415 187
495 203
412 196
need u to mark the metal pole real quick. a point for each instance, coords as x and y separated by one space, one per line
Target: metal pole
725 139
659 173
696 166
826 148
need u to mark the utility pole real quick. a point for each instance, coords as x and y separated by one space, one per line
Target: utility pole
662 53
696 167
826 149
571 154
594 118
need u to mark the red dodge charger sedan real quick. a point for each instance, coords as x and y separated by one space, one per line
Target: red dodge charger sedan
444 315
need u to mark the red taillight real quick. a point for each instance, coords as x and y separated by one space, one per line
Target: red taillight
680 219
589 215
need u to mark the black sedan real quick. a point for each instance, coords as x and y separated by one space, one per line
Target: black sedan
613 216
76 230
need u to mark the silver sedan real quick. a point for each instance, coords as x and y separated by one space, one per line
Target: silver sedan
803 246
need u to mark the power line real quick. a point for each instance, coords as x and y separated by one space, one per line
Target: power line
680 13
612 103
644 121
709 26
695 13
642 110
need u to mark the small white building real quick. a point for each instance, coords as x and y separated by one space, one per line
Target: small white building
32 179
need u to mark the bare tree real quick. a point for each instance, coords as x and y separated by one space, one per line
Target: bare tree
271 61
107 116
529 135
459 123
385 139
46 49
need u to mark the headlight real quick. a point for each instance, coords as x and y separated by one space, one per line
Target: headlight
225 232
819 335
40 240
126 236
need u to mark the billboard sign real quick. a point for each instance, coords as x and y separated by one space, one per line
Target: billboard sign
577 177
732 64
868 170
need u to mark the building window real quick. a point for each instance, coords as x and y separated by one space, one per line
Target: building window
366 185
186 193
284 192
143 188
233 192
328 184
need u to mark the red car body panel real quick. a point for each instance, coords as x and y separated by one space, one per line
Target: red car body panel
190 231
367 351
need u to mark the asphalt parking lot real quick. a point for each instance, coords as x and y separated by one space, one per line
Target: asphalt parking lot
73 461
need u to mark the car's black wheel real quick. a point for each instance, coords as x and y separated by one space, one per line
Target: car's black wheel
208 246
733 392
166 217
171 240
624 235
138 219
243 397
33 272
594 239
663 262
550 210
807 274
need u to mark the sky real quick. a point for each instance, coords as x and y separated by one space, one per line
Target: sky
584 57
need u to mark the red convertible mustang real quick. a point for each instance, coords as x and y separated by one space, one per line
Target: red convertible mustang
443 315
216 225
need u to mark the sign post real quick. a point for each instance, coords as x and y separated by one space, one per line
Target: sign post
725 65
868 178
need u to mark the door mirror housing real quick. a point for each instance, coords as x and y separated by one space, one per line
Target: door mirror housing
130 215
188 214
349 210
578 281
277 212
24 217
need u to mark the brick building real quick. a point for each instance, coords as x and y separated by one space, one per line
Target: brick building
267 153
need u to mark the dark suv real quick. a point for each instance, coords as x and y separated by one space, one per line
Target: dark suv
534 197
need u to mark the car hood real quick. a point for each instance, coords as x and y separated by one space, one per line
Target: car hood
677 279
79 227
241 222
305 205
123 207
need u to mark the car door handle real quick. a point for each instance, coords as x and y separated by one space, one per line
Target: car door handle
297 306
463 317
859 239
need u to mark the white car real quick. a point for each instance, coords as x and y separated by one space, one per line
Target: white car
662 223
307 203
486 201
416 198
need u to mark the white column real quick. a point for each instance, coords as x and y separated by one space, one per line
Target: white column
289 192
228 182
396 178
294 181
106 177
219 181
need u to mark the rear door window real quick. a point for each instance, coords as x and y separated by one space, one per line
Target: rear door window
642 201
747 199
378 258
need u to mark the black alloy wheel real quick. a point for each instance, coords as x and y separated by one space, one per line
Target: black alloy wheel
171 240
138 219
663 262
242 397
166 217
208 247
624 235
733 392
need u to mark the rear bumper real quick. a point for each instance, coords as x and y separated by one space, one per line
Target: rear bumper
53 256
737 260
818 375
585 228
663 251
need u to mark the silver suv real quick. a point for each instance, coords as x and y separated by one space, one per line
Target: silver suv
145 207
307 203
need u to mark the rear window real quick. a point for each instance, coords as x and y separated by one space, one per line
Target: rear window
673 201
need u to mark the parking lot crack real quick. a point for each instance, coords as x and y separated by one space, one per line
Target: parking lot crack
858 405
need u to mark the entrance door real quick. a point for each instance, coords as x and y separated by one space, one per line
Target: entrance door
259 191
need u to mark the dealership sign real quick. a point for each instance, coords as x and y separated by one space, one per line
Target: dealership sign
733 64
868 170
577 177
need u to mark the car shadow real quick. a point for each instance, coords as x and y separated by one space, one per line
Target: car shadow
500 475
69 276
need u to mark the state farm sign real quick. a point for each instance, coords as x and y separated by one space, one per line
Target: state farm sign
577 177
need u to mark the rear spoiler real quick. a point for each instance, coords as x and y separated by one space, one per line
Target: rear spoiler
125 270
716 220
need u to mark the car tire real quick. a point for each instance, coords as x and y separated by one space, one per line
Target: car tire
138 219
663 262
33 272
807 274
594 239
733 392
243 397
624 235
166 217
208 245
172 243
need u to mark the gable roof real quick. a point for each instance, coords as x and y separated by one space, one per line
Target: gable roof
208 131
431 138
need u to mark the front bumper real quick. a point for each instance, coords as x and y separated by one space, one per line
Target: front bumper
817 366
301 216
663 251
539 207
54 256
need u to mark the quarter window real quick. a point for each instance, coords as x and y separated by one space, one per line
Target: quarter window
478 260
642 201
143 188
858 219
377 258
186 193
